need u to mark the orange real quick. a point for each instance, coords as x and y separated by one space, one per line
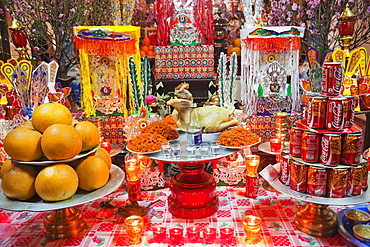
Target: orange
144 48
27 124
50 113
151 47
146 41
18 182
74 122
237 50
61 141
89 133
238 42
93 173
6 166
151 53
23 144
104 155
56 182
142 53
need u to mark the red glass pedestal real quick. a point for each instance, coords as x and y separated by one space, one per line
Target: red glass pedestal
192 193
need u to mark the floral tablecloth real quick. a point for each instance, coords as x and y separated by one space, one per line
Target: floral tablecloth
106 228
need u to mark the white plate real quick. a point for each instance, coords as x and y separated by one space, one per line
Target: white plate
49 162
153 152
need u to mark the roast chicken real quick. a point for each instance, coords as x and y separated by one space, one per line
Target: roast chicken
211 118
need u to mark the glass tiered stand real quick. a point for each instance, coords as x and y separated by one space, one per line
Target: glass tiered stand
314 218
64 220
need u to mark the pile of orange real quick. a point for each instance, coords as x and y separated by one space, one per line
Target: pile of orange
236 47
146 49
53 133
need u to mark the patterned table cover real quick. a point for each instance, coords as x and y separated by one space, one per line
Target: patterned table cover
105 228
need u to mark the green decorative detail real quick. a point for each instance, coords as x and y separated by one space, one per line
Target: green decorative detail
260 91
276 226
289 90
99 33
145 77
135 87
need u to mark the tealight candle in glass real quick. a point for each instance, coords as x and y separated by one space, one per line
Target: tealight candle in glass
209 234
134 228
275 145
159 233
252 228
226 234
193 233
176 234
106 146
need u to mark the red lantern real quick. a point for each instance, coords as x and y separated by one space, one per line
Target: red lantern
19 38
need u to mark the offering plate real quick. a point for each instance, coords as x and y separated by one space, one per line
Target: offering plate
314 218
64 220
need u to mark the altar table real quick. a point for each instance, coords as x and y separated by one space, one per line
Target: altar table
106 228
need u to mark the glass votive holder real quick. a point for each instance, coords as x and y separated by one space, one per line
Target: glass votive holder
209 234
134 228
159 233
193 233
275 145
106 146
175 150
226 234
176 234
215 148
190 151
204 150
252 227
166 150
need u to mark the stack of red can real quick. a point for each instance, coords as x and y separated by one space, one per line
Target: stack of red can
335 182
327 161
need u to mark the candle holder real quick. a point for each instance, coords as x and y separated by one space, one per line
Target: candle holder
209 234
106 146
251 179
176 235
193 233
159 233
346 29
252 228
134 228
227 234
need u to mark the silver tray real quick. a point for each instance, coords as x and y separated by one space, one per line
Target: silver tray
270 174
36 204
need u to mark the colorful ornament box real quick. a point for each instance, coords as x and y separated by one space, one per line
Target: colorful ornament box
184 62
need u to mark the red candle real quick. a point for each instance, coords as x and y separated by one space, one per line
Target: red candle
227 234
106 146
275 145
176 234
159 233
209 234
134 190
193 233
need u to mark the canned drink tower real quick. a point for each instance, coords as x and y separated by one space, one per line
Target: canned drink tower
284 169
352 102
298 176
316 112
354 181
331 147
332 76
336 113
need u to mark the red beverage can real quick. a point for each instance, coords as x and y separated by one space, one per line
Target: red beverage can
316 180
295 141
336 113
337 182
316 112
332 76
298 176
352 102
134 190
331 148
251 186
284 169
311 146
365 174
354 181
352 148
